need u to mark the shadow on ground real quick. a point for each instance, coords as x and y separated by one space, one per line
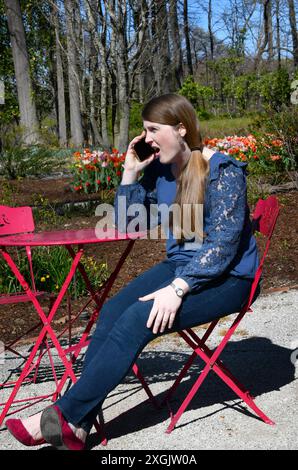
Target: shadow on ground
258 364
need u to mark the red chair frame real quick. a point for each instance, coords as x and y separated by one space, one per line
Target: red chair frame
16 220
264 220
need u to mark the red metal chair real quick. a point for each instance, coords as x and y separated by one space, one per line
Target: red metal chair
264 220
15 220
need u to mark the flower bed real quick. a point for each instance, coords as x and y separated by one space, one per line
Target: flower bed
264 153
96 170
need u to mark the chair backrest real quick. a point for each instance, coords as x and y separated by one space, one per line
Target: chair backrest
265 216
263 220
15 220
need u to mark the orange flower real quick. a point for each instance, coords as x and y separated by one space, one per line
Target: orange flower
234 150
274 158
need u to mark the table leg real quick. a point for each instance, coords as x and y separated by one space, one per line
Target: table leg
46 320
99 300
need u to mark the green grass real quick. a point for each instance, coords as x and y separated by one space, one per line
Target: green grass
224 126
219 127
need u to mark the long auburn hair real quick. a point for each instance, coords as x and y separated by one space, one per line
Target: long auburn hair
172 109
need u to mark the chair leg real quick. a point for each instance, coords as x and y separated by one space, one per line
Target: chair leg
100 429
244 395
188 399
138 374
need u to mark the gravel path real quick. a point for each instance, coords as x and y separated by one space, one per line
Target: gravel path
262 355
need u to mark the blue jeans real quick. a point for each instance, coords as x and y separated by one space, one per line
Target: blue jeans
121 334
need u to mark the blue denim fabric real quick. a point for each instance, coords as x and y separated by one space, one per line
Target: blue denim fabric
121 333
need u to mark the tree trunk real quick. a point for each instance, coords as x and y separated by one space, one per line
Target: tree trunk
119 73
186 36
28 117
126 50
83 68
161 57
114 90
144 72
210 32
269 29
76 128
292 18
60 84
278 33
268 35
98 45
123 84
176 45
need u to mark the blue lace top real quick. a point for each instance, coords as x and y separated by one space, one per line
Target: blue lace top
229 246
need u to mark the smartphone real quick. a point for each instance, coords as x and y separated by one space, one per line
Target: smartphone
143 150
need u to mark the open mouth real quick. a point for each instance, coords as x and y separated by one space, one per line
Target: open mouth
156 150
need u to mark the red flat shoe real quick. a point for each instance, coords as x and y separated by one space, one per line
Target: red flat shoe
18 430
57 432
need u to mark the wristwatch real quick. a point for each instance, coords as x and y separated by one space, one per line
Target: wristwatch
178 290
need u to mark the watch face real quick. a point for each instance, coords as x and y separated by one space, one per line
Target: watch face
179 292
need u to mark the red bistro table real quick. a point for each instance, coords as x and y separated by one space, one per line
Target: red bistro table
69 239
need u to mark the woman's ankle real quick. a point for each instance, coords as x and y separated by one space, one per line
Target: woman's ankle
32 425
79 432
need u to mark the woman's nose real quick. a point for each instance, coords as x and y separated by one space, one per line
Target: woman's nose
148 138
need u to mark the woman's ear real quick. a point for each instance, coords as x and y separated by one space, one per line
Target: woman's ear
182 129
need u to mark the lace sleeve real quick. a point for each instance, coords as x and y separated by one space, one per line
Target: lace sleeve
227 212
127 196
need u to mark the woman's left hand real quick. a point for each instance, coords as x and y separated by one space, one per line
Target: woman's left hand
165 306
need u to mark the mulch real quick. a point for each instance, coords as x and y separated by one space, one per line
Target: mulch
280 271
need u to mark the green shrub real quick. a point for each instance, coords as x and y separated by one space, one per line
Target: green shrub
20 160
275 89
51 266
284 126
196 93
35 160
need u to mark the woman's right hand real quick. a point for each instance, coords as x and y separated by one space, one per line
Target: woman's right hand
132 164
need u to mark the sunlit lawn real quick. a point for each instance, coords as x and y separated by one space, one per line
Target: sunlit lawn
221 127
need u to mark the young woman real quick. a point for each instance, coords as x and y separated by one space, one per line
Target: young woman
193 285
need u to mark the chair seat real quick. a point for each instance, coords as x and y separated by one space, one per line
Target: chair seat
19 297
